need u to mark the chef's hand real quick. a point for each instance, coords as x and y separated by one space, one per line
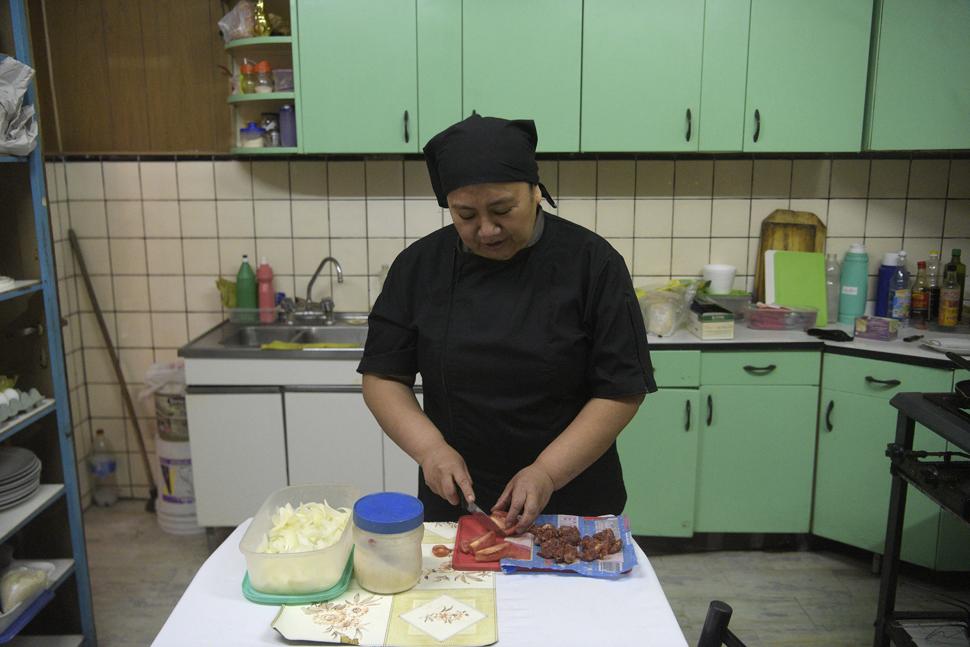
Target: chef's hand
525 496
444 468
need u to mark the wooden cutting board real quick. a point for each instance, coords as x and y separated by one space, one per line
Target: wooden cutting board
793 231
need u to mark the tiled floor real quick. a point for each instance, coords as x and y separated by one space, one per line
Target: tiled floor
821 599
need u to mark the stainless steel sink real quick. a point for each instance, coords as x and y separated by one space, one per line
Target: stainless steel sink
348 328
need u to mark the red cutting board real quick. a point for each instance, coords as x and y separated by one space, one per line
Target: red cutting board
469 528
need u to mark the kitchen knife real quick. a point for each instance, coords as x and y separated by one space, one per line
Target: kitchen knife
485 520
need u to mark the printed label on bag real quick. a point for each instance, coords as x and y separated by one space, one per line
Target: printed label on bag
851 290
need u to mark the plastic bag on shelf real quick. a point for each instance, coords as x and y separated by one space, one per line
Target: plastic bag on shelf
239 22
665 309
18 127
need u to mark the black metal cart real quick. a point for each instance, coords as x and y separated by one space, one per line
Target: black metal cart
945 481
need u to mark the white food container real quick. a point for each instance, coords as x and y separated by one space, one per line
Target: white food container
298 573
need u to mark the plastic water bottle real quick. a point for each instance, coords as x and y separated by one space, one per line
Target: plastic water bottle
854 284
104 471
832 285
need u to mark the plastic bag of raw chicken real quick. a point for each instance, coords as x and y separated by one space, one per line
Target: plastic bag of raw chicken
604 548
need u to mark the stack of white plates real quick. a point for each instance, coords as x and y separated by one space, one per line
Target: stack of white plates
19 476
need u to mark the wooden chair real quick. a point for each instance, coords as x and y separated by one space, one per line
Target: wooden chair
715 631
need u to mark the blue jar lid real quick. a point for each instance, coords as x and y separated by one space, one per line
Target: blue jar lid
252 129
388 513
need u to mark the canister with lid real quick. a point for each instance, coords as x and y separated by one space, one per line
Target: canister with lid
388 527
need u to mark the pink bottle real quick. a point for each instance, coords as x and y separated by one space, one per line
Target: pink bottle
266 295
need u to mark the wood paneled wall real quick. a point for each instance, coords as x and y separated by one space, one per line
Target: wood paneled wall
132 76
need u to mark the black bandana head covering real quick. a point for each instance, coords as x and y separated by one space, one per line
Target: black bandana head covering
483 149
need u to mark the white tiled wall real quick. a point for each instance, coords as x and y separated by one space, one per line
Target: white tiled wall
156 235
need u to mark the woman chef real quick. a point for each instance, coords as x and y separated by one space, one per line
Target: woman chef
527 334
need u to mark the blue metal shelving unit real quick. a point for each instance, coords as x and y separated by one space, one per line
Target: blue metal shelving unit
48 287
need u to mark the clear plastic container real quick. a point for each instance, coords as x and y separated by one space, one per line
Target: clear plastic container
780 317
298 573
283 80
388 527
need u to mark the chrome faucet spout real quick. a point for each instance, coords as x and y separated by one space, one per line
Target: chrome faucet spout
336 264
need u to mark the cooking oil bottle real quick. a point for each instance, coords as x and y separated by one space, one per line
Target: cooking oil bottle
949 301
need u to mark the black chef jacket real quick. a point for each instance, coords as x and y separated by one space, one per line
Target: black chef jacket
510 351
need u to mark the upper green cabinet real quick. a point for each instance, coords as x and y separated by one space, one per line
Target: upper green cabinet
439 66
723 74
521 60
919 84
807 64
642 74
359 76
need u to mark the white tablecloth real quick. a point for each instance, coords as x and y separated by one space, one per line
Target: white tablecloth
533 609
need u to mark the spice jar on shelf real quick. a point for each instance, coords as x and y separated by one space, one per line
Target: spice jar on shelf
252 136
247 79
264 78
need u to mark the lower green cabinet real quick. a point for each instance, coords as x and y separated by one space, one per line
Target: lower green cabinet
658 450
852 483
755 458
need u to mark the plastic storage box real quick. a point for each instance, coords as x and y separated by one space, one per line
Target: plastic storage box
298 573
762 317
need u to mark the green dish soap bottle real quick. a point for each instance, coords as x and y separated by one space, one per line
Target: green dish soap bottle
246 292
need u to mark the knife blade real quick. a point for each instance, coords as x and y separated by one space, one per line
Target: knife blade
486 520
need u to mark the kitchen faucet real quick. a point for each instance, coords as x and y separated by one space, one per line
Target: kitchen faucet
325 308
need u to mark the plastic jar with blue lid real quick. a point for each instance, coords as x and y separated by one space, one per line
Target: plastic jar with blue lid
388 528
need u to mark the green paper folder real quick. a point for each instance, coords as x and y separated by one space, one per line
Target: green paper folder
796 279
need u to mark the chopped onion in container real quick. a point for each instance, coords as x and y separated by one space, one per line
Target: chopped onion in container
311 526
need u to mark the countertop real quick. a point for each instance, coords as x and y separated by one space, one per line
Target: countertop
209 345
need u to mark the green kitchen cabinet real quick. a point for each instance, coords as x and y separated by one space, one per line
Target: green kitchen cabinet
807 67
919 81
439 67
852 481
725 68
521 60
642 75
359 76
755 458
658 451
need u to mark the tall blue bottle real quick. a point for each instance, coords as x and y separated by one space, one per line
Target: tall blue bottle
855 284
886 273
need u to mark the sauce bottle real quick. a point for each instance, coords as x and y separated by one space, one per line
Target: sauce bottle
961 271
949 301
919 306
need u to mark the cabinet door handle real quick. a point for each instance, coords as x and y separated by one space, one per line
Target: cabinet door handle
872 380
759 370
757 124
407 134
828 415
687 416
710 411
689 124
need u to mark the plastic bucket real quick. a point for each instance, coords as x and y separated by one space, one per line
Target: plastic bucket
176 488
170 416
178 525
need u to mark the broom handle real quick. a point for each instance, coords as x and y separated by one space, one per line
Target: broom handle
129 405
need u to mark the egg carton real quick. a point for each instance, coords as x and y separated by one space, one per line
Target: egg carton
14 402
